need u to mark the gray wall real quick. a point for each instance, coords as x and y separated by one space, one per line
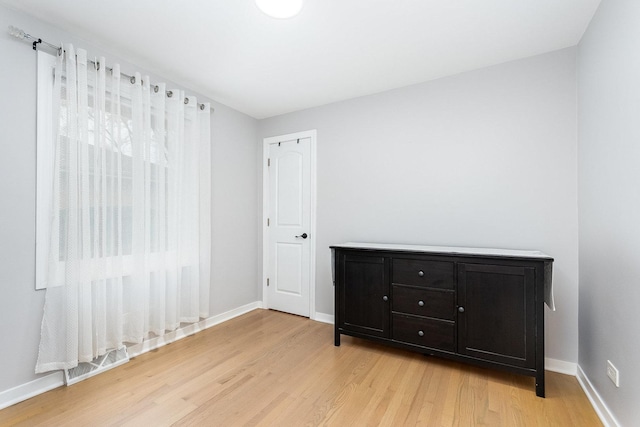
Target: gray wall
485 158
609 209
235 228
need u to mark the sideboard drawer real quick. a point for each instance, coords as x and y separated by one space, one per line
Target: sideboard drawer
423 302
424 332
423 272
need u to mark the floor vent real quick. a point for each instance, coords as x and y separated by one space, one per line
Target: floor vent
96 366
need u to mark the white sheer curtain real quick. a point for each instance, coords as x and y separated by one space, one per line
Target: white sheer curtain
130 213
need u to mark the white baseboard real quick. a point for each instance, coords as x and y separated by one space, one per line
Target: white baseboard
30 389
598 404
152 344
324 318
56 379
560 366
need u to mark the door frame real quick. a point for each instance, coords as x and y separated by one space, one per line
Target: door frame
312 134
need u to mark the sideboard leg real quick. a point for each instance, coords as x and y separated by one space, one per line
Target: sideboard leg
337 338
540 383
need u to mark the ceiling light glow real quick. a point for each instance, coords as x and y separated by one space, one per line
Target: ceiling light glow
281 9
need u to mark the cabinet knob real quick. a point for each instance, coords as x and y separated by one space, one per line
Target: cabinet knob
385 298
420 333
461 309
420 273
421 303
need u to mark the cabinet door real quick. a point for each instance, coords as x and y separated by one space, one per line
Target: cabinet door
496 313
364 294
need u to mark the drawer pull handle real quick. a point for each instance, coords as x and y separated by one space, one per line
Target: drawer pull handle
420 333
421 303
461 309
385 298
421 273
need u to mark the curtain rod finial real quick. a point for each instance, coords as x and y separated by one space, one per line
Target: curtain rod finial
17 32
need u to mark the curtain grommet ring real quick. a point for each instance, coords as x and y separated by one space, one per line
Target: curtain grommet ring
169 93
186 101
202 107
133 80
155 89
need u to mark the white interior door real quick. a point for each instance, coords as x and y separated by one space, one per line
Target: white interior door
289 226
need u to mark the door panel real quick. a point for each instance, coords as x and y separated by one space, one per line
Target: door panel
288 268
365 286
498 321
289 171
289 219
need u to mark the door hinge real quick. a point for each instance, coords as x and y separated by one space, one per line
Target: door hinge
268 162
267 281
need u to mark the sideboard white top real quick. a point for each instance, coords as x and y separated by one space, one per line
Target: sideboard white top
445 250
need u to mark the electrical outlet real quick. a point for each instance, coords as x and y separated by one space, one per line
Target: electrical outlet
613 373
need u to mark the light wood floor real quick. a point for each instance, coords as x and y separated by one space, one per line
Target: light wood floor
271 368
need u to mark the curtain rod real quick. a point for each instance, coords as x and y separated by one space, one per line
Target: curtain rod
20 34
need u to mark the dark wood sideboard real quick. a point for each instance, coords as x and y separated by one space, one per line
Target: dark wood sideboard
473 305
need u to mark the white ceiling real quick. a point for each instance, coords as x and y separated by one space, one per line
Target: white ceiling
334 50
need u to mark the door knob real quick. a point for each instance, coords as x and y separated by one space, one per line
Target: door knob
461 309
303 235
385 298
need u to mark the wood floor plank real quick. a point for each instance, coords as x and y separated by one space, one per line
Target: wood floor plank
267 368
